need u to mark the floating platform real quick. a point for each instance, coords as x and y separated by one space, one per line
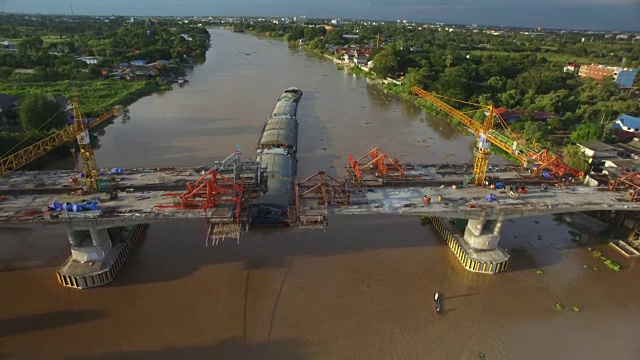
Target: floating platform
79 275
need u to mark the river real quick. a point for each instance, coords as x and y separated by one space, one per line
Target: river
360 290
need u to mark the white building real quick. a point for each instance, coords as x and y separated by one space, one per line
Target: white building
597 149
90 59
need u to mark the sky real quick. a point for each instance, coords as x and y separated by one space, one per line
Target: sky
566 14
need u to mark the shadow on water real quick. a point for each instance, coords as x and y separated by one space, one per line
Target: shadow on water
154 262
444 310
55 319
523 258
273 249
313 138
231 348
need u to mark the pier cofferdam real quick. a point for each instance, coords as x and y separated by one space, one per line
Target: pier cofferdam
276 155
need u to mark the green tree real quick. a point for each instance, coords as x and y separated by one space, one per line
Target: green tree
535 131
39 110
385 63
574 157
5 73
586 132
415 77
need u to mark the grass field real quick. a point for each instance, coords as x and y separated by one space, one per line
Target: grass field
47 39
95 96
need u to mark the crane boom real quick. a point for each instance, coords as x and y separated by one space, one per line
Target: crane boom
529 158
471 124
32 152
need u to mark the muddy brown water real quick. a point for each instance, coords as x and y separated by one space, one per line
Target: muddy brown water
360 290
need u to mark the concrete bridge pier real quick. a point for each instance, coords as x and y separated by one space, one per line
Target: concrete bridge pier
477 249
89 245
97 253
483 234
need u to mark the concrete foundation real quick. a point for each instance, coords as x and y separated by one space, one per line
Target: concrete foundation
483 234
80 271
486 262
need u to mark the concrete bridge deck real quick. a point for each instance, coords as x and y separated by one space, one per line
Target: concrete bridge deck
27 194
456 202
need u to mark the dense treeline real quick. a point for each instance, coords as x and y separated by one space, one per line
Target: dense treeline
51 44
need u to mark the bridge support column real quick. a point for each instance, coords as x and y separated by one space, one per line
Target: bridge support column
483 234
97 254
89 245
74 236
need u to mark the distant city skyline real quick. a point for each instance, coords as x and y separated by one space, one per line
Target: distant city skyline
621 15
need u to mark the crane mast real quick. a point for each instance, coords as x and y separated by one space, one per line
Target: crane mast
90 167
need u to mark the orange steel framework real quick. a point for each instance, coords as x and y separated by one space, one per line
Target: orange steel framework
627 181
325 189
378 161
538 160
209 191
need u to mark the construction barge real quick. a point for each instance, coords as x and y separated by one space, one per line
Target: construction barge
276 156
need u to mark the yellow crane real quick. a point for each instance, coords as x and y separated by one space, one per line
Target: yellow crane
530 158
79 130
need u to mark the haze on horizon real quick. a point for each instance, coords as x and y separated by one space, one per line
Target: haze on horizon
621 15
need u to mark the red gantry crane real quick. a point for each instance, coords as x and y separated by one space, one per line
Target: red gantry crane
537 160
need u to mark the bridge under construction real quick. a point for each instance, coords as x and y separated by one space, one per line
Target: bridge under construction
105 211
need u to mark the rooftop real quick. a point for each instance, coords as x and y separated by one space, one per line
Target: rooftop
630 121
596 146
517 114
7 100
623 163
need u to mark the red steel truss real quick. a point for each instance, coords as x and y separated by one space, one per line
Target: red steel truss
627 181
319 189
377 161
549 161
325 189
209 191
